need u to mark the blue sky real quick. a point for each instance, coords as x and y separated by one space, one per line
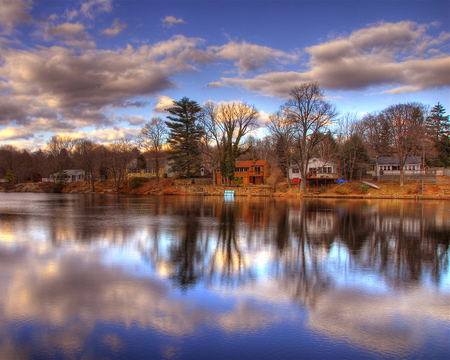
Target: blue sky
101 68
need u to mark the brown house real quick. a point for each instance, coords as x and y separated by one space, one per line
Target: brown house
252 172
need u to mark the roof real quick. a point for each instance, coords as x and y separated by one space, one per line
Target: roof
324 161
249 163
389 160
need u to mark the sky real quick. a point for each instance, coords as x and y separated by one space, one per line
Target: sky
100 69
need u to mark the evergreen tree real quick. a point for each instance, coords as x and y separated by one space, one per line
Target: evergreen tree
9 178
184 135
438 124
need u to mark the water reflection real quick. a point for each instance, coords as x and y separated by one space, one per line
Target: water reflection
82 276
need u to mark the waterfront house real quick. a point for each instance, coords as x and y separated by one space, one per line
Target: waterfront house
252 172
387 168
319 170
74 175
150 170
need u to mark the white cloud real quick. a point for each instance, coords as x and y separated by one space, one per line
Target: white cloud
56 89
115 29
92 8
214 84
250 57
385 54
72 34
13 13
170 21
164 102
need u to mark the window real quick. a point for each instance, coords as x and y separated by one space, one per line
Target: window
389 168
257 169
218 171
296 171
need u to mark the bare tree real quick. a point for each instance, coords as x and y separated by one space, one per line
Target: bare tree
153 138
310 115
228 123
88 156
282 132
119 154
376 134
407 124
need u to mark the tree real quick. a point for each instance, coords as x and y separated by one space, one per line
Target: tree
282 132
153 137
228 123
310 115
437 124
9 178
375 131
184 135
354 158
119 154
438 129
88 156
407 130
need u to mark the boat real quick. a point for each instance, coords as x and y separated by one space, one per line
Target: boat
371 185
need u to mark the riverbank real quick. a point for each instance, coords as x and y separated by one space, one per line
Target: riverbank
203 187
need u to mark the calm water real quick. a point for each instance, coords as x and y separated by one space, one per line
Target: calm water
105 277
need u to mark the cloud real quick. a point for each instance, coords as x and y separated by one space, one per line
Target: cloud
116 29
250 57
13 13
56 88
12 133
170 21
385 54
134 119
92 8
67 30
214 84
73 35
164 102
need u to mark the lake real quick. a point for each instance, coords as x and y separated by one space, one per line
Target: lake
129 277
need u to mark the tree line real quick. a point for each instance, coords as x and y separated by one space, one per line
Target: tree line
215 135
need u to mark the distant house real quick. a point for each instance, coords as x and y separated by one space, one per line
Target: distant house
73 176
252 172
150 169
387 165
2 180
386 168
318 169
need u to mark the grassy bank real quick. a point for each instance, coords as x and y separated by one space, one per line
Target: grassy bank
203 187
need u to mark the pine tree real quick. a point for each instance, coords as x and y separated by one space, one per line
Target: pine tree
438 124
184 135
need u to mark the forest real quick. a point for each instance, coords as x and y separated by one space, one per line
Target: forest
215 135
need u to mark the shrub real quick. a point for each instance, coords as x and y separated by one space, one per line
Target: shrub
57 187
342 190
138 182
322 188
364 189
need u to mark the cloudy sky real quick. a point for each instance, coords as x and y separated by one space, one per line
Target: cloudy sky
101 68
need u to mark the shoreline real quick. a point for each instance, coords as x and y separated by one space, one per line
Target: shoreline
184 188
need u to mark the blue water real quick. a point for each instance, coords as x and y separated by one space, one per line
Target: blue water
123 277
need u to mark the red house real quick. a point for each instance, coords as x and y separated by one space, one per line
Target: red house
252 172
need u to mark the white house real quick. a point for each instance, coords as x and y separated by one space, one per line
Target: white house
386 165
318 168
74 176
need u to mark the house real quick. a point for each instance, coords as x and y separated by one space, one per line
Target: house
386 168
73 176
150 168
2 180
318 169
252 172
387 165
